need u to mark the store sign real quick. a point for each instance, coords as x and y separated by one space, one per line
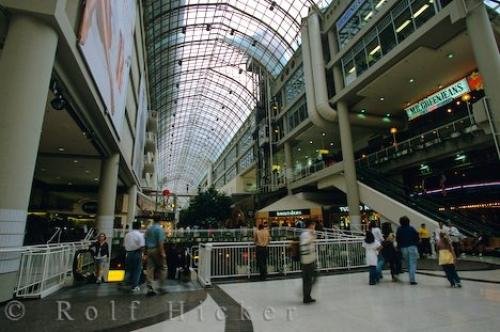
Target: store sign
289 213
361 208
438 99
350 12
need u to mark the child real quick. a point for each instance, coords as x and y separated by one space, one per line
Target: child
390 255
372 247
447 259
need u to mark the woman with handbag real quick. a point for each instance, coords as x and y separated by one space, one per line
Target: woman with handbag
447 260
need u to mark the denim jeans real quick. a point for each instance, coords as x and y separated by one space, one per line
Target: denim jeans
410 255
451 274
374 276
133 267
380 265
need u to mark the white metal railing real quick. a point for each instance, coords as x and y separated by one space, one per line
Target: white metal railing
237 259
246 234
45 268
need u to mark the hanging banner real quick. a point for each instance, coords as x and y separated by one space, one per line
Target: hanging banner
106 41
438 99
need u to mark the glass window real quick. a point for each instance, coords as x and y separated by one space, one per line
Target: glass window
403 22
360 58
387 36
365 13
349 71
295 86
373 50
422 11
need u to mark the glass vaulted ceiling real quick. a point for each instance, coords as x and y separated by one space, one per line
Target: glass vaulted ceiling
197 54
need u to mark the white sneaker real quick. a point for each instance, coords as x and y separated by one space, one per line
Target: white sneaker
136 290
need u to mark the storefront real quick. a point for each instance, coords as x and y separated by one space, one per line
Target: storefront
288 210
338 216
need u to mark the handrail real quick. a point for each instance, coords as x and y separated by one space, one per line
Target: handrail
417 141
237 259
401 193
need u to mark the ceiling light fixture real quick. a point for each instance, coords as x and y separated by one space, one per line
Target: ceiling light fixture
380 3
382 98
375 50
421 10
402 26
411 80
60 149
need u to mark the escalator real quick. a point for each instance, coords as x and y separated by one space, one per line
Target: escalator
420 206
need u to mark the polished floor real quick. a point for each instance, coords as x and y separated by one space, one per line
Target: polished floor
347 303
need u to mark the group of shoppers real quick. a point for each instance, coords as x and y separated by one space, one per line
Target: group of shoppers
136 245
383 247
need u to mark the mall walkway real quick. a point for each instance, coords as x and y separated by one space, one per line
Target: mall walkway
345 303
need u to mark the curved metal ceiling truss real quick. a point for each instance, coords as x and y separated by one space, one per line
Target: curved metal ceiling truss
198 51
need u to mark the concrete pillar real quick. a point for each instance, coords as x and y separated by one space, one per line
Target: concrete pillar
289 165
107 196
25 72
349 166
132 205
487 56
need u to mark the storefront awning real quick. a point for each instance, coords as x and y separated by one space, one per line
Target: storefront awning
290 202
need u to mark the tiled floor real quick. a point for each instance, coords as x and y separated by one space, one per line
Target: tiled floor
205 317
347 303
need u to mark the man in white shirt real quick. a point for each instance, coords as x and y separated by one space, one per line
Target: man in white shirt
308 260
134 245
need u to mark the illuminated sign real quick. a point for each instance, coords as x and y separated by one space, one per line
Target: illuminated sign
289 213
346 16
438 99
361 208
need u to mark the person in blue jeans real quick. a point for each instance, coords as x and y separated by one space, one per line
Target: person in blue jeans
408 239
134 245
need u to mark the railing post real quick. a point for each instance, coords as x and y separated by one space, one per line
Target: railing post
249 265
285 256
348 254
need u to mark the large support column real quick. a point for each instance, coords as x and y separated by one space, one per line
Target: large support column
107 196
487 56
132 205
289 166
349 166
25 71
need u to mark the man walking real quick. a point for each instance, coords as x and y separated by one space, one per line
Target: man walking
407 238
155 237
261 239
134 245
308 260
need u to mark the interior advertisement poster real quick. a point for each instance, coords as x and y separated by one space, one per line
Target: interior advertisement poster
106 41
140 130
